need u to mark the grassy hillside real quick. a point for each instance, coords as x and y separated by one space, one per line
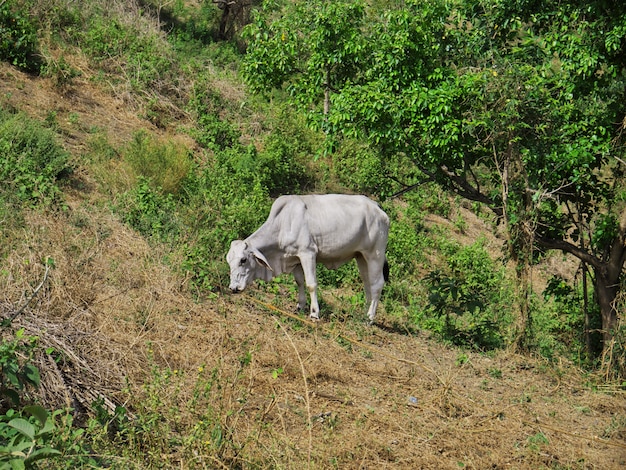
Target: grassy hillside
131 155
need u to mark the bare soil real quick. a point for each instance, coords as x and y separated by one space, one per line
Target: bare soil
286 393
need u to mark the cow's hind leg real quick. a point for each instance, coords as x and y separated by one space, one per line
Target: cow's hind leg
298 275
376 283
310 279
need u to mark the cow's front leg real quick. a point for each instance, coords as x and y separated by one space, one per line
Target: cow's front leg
298 275
310 279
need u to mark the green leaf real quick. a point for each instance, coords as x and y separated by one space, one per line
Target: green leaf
23 427
32 373
17 464
38 412
11 394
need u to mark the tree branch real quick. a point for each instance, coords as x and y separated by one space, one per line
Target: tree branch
463 188
554 244
35 292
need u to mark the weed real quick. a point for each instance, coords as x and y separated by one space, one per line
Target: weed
31 160
60 72
18 36
469 300
16 375
461 359
150 212
25 437
535 442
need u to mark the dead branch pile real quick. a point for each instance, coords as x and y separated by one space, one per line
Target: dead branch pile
76 365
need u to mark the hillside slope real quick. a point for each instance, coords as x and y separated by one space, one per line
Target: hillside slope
228 382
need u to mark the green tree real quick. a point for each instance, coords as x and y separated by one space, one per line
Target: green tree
518 105
315 48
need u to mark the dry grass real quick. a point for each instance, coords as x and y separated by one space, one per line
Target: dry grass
285 393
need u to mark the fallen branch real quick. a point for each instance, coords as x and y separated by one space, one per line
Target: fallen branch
36 291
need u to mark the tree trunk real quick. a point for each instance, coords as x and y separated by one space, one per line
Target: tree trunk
520 235
608 274
588 342
606 291
608 279
225 18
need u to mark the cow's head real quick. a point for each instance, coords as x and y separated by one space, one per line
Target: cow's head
246 265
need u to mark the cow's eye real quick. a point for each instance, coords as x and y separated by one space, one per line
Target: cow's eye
243 261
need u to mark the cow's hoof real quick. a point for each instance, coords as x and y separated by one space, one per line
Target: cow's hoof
314 319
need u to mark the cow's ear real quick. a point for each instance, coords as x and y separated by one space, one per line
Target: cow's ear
261 259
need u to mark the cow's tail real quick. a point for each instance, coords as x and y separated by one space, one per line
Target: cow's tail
386 270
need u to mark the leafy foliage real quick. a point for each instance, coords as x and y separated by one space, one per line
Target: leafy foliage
313 47
16 374
18 36
212 131
26 440
150 212
471 297
224 211
24 436
31 160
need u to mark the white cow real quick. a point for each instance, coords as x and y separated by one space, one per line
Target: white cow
304 230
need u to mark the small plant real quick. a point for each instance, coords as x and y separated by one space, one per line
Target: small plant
16 375
31 160
150 212
460 223
18 37
60 72
29 435
212 131
25 437
461 359
468 301
536 441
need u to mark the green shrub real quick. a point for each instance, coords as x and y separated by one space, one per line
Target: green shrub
407 238
558 323
16 373
226 202
359 168
31 434
215 133
31 160
280 166
212 131
23 435
18 36
469 302
151 212
192 27
25 438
